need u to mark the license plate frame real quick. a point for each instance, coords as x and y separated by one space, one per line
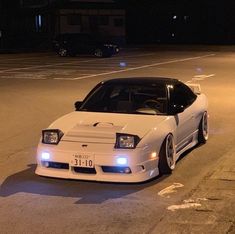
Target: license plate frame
82 160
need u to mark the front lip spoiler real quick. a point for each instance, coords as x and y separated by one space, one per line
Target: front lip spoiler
105 178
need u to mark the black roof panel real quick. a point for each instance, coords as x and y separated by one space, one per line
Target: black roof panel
141 80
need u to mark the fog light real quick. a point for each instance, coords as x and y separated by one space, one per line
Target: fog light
46 164
121 161
127 170
45 156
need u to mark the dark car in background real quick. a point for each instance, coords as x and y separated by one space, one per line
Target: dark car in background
72 44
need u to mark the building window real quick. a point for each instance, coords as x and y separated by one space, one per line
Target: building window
38 23
74 19
103 20
34 3
94 22
118 22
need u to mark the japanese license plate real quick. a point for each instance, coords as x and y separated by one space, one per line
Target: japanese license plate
82 160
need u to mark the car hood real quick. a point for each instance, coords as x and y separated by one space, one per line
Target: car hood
102 127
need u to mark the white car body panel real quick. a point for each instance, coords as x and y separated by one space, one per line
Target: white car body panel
94 134
92 137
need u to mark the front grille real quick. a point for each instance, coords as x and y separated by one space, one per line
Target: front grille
110 169
56 165
84 170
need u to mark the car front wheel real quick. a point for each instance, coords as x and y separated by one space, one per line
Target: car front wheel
167 155
203 131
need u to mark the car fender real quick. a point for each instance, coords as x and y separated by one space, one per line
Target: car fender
201 107
155 137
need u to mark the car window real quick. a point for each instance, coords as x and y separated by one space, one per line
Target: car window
76 37
182 95
113 98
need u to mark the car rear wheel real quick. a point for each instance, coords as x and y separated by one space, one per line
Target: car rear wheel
203 131
63 52
99 53
167 155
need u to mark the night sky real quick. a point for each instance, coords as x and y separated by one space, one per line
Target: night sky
182 21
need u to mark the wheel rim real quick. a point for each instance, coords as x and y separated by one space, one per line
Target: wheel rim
63 52
98 53
205 126
170 151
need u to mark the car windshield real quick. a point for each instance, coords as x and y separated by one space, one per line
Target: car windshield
128 99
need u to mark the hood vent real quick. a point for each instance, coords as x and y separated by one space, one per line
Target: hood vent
103 124
99 132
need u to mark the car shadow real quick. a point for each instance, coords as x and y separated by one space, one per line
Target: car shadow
183 155
87 192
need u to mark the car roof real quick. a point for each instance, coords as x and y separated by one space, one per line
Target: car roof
142 80
74 35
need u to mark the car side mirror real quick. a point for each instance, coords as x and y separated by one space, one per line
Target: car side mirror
176 109
77 105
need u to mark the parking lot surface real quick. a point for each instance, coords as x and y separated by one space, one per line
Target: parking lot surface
37 88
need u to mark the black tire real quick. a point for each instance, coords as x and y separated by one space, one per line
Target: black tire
99 53
63 52
203 130
72 54
167 155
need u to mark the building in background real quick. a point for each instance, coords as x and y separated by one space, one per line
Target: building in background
182 21
105 19
21 24
32 24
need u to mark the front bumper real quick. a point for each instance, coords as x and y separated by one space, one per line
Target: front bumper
139 167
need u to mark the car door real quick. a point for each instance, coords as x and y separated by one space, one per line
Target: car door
87 44
181 95
79 43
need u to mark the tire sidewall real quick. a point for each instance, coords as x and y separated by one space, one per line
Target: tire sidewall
63 52
99 53
203 132
163 165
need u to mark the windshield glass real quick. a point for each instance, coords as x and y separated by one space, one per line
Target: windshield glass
127 98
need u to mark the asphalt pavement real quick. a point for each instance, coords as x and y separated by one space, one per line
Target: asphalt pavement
37 88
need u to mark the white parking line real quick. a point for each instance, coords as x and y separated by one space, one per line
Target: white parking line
190 203
25 78
34 78
183 206
49 65
139 55
63 78
200 78
23 58
144 66
170 189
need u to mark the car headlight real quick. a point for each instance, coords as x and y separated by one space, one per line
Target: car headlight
126 141
51 136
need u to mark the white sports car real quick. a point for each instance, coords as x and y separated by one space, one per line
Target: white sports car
125 130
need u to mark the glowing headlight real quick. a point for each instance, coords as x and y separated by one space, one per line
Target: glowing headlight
45 156
121 161
51 136
126 141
